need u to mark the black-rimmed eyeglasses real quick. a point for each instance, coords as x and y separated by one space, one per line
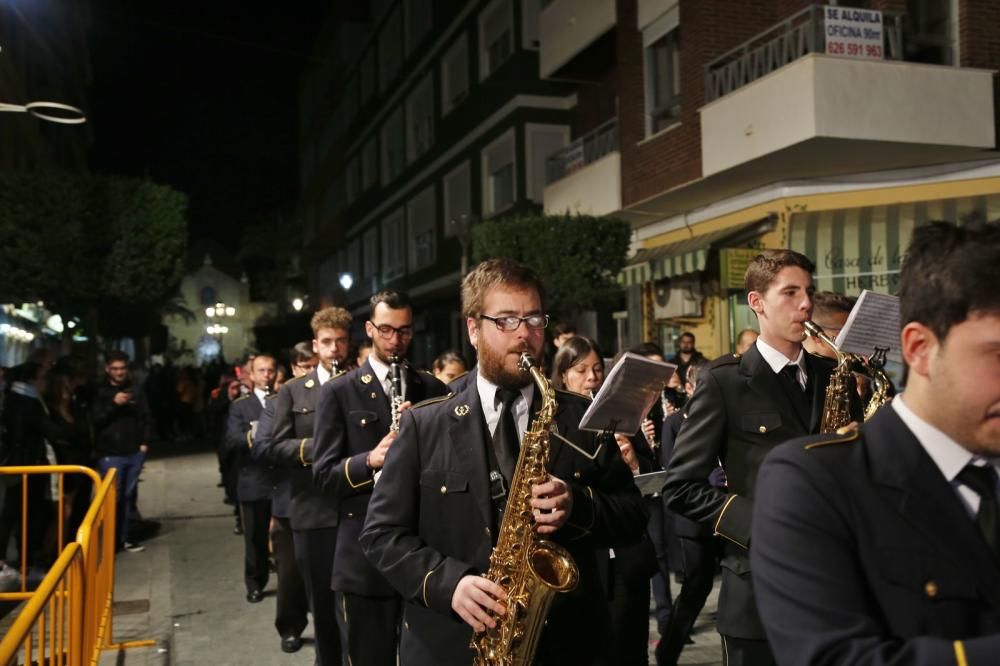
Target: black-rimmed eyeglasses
385 331
513 322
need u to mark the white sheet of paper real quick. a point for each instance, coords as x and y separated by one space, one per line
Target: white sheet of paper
874 322
627 394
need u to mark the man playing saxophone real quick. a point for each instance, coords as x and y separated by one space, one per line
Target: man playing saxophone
433 518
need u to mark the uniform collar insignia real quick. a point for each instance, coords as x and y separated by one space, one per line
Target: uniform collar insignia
366 379
461 410
310 383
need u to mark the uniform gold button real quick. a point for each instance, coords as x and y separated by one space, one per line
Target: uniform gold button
931 589
763 428
373 395
444 490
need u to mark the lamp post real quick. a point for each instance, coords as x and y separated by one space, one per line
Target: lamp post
217 314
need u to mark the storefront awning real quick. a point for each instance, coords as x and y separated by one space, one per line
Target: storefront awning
686 256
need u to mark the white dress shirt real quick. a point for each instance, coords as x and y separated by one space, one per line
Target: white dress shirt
261 395
322 374
949 456
777 361
492 405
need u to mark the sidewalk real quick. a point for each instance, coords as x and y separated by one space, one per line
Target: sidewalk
186 589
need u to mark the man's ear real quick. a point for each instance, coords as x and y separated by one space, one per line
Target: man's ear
472 324
756 302
918 344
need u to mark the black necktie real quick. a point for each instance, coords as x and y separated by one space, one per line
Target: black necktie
983 480
505 439
791 373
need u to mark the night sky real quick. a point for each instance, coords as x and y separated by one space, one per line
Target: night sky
203 96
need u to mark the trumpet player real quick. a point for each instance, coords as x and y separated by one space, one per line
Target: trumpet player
744 406
354 415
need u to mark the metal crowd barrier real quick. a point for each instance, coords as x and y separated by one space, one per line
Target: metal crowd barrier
91 589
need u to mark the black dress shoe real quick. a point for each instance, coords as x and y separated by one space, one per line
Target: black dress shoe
291 644
255 596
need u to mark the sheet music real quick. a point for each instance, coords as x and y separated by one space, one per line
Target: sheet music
629 391
874 322
651 484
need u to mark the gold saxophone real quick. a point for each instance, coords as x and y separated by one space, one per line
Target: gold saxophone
843 385
529 569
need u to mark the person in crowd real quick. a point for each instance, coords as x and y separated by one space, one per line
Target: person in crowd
254 484
364 349
698 548
830 312
562 332
743 407
67 429
745 340
23 444
123 429
314 515
292 605
448 367
353 433
217 414
578 367
280 377
686 354
187 403
431 524
881 545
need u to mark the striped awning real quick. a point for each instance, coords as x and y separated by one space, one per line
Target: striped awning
686 256
862 248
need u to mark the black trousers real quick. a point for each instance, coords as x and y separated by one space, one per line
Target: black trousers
746 652
314 550
369 628
699 557
291 613
256 523
661 534
629 607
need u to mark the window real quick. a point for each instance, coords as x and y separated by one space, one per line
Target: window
393 146
350 104
354 257
393 241
542 142
499 191
369 164
207 296
663 82
369 258
531 11
367 76
455 74
353 177
928 32
419 21
390 49
457 203
421 218
496 36
420 118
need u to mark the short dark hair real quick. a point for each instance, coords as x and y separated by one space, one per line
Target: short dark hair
765 267
569 354
302 352
694 370
397 300
116 355
26 372
686 334
950 272
563 328
829 302
647 349
492 273
450 356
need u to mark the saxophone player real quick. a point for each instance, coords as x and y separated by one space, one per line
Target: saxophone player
435 513
352 435
744 406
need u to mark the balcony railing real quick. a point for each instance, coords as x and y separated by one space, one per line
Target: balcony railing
588 148
797 36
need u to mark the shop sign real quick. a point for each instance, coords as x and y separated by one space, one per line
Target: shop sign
733 262
852 32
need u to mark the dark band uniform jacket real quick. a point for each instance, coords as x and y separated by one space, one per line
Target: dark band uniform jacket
739 412
254 482
864 554
291 448
281 490
353 416
431 521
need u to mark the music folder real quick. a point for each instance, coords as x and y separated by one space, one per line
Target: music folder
873 322
628 393
651 484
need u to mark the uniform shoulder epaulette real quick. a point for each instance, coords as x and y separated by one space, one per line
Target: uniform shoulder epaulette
574 394
271 396
725 359
431 401
296 379
426 372
242 397
459 376
842 436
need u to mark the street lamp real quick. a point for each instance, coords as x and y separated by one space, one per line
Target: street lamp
346 281
214 328
297 304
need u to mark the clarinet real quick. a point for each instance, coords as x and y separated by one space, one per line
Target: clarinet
395 390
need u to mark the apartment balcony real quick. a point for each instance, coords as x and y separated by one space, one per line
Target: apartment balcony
577 39
585 176
779 107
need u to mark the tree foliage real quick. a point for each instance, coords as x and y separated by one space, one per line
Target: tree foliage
578 256
89 244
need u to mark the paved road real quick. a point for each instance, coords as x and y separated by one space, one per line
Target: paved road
186 591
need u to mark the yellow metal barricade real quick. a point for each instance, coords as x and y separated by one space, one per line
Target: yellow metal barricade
95 544
48 628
